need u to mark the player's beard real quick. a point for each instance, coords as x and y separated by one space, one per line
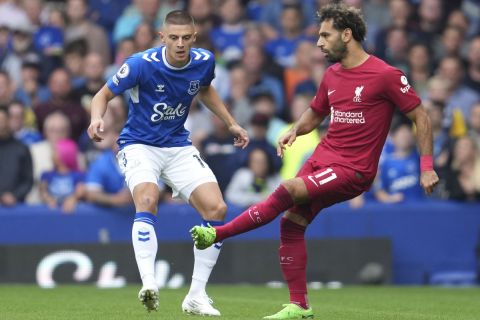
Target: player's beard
338 51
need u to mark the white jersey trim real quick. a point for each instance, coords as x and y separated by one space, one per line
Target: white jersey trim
168 65
134 94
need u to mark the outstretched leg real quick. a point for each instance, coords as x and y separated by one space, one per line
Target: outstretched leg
281 199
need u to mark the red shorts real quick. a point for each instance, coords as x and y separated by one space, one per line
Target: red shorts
326 186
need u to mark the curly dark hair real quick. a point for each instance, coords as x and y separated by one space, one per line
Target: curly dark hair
344 17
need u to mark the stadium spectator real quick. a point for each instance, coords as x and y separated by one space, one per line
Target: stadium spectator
73 61
144 36
62 100
259 81
219 153
31 91
147 11
300 70
202 12
124 49
461 98
56 127
254 182
62 187
441 139
264 103
318 67
430 15
6 88
106 12
4 39
400 14
80 27
21 46
227 37
258 132
271 13
473 71
396 51
295 156
397 180
282 48
474 125
461 180
238 96
420 66
451 43
165 83
94 71
15 165
104 182
21 132
345 162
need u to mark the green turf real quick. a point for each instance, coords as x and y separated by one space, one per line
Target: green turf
241 302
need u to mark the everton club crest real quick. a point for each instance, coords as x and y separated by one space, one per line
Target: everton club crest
194 87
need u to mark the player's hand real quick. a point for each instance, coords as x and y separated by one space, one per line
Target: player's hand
428 180
287 139
95 130
241 139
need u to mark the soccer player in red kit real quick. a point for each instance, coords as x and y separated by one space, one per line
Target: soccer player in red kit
360 93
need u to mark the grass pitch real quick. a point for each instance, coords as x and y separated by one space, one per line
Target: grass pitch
241 302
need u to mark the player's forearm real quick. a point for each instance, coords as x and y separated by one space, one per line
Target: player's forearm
99 197
424 133
99 103
212 101
307 122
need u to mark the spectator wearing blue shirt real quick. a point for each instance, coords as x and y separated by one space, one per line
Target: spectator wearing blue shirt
105 184
63 186
282 49
26 135
227 38
397 180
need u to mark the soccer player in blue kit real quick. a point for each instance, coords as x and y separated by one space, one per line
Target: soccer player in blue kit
154 145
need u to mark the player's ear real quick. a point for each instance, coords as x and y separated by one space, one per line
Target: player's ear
194 36
347 35
162 36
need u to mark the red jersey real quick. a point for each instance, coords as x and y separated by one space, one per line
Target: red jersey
360 102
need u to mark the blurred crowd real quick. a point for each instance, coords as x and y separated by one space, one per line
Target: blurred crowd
55 55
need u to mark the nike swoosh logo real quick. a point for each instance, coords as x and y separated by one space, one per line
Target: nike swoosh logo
330 92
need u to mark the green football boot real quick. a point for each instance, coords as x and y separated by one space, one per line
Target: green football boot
203 237
292 311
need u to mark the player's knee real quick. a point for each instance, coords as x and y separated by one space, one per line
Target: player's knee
216 212
147 202
293 189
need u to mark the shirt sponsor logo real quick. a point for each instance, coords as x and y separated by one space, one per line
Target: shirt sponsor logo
407 86
162 111
358 93
350 117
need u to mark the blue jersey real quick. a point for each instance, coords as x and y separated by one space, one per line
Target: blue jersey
160 95
401 175
105 174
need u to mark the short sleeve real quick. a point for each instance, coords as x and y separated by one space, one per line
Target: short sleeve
320 102
210 74
128 76
94 176
399 91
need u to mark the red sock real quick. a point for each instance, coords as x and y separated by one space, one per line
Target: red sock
293 260
257 215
